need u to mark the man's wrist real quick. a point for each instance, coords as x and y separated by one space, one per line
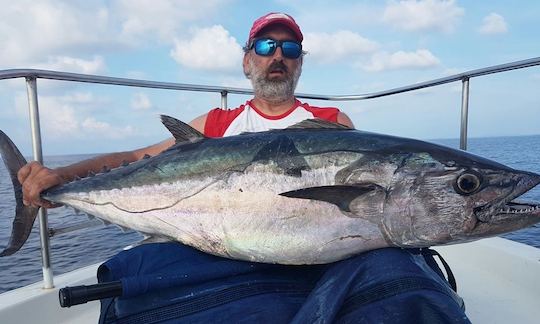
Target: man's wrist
64 174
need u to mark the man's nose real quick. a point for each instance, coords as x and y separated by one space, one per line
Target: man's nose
278 54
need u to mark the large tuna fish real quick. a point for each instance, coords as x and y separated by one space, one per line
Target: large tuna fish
313 193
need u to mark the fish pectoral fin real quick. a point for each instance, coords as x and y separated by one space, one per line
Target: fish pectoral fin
123 228
154 239
339 195
182 132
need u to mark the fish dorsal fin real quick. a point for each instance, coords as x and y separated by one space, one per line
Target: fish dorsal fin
181 131
318 123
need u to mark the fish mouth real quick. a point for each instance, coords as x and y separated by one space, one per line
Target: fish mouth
505 218
509 206
510 210
519 207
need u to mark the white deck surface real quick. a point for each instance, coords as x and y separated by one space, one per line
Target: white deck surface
33 304
498 279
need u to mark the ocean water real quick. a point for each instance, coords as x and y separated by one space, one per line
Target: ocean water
87 246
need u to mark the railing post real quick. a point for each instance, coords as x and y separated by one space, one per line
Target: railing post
464 113
31 87
224 99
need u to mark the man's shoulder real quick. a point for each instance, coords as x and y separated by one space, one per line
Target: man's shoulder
327 113
228 111
218 119
308 106
223 112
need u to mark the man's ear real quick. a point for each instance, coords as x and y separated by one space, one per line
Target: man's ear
245 65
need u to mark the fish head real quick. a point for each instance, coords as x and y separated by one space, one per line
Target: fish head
440 196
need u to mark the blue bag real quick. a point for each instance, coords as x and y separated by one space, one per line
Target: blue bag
174 283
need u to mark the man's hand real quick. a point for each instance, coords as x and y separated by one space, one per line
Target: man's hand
35 178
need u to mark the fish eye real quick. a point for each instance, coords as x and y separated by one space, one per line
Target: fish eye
467 183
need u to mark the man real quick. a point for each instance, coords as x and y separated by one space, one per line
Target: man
274 73
387 285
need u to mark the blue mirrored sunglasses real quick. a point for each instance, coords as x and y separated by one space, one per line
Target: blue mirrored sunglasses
268 46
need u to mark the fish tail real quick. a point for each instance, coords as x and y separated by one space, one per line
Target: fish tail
24 215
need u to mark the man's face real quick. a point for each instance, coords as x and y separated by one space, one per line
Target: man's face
274 77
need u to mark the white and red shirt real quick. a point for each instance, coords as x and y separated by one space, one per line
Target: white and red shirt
247 118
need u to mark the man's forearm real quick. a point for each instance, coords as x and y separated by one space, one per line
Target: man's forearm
110 161
97 164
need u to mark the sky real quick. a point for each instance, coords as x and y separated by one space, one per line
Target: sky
354 47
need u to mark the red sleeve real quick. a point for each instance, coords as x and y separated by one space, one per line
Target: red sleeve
218 120
326 113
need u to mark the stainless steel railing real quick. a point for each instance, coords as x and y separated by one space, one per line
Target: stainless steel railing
31 76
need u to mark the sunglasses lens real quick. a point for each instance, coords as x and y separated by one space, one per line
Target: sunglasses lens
265 47
291 49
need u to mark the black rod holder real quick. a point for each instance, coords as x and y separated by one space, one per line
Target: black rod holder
70 296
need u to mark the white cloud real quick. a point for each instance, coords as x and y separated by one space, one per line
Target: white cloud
93 126
336 46
209 49
423 15
493 24
62 122
33 30
61 116
140 101
72 64
165 18
79 98
57 117
381 61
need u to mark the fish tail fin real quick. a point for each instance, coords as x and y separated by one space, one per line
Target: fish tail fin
24 215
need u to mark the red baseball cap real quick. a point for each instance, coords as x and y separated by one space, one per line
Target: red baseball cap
275 18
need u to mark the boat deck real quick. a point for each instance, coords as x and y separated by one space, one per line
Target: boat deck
33 304
499 280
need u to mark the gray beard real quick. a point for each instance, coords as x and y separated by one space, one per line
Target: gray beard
274 91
